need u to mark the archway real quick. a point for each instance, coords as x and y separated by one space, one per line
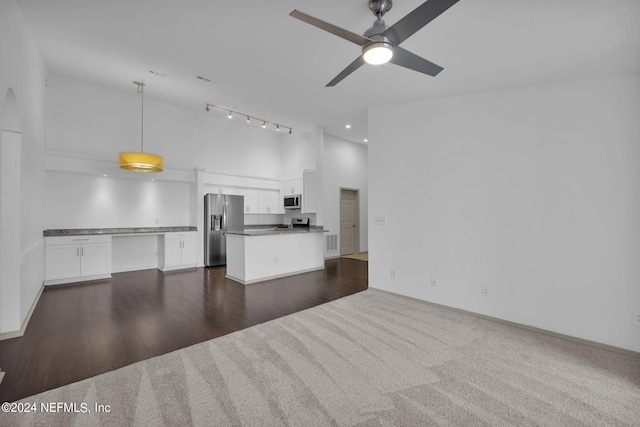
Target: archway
10 189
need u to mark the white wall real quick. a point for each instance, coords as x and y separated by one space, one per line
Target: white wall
345 166
93 121
22 70
83 201
298 154
531 192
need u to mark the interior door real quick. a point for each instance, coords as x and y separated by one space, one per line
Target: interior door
348 222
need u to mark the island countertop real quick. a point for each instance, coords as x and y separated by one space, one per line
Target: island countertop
271 231
121 230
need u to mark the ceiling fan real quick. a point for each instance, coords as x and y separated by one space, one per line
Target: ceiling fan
380 43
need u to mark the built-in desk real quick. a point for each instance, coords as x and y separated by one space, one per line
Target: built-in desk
75 255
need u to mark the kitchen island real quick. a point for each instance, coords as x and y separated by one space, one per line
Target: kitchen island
255 255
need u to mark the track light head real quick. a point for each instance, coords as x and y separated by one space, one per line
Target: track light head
264 125
230 116
207 108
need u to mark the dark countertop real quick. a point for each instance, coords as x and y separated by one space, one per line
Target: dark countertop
123 230
270 231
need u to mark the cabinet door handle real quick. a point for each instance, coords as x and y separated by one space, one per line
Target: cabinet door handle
82 251
80 240
78 251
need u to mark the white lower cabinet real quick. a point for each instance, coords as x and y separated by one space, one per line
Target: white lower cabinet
177 250
71 259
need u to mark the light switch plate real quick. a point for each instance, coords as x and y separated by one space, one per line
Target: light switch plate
379 220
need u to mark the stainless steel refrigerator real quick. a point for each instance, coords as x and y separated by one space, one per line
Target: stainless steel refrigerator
221 213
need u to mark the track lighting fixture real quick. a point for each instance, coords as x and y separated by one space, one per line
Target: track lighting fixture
248 116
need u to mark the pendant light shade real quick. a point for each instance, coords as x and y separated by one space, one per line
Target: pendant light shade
141 161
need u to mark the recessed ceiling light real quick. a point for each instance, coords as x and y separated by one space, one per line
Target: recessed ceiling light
366 140
348 126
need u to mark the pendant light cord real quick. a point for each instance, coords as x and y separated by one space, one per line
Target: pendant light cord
141 92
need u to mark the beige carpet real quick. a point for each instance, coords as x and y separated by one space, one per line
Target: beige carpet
370 359
362 256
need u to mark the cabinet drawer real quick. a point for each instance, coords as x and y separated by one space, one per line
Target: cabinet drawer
77 240
180 235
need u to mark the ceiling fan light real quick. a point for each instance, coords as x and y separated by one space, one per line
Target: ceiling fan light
377 53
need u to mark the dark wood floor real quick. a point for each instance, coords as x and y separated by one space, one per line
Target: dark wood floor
82 330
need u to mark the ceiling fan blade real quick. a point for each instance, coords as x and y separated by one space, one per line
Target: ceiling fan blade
359 62
409 60
418 18
340 32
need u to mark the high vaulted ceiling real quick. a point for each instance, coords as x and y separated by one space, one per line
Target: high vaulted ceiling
267 64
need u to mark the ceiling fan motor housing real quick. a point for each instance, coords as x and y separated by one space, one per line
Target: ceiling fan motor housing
375 34
380 7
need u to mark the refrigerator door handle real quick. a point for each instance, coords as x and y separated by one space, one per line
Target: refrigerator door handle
223 219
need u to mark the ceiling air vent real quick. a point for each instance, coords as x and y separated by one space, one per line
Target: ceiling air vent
204 79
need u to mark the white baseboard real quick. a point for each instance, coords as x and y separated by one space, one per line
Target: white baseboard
124 269
519 325
20 332
277 276
76 279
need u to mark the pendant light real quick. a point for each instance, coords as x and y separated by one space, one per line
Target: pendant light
141 161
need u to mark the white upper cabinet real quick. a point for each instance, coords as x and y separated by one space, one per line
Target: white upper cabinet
250 199
309 196
269 201
220 189
292 186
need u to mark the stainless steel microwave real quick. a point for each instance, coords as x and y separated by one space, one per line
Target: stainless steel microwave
293 201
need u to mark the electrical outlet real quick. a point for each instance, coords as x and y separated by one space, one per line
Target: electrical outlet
485 291
434 281
394 273
636 318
